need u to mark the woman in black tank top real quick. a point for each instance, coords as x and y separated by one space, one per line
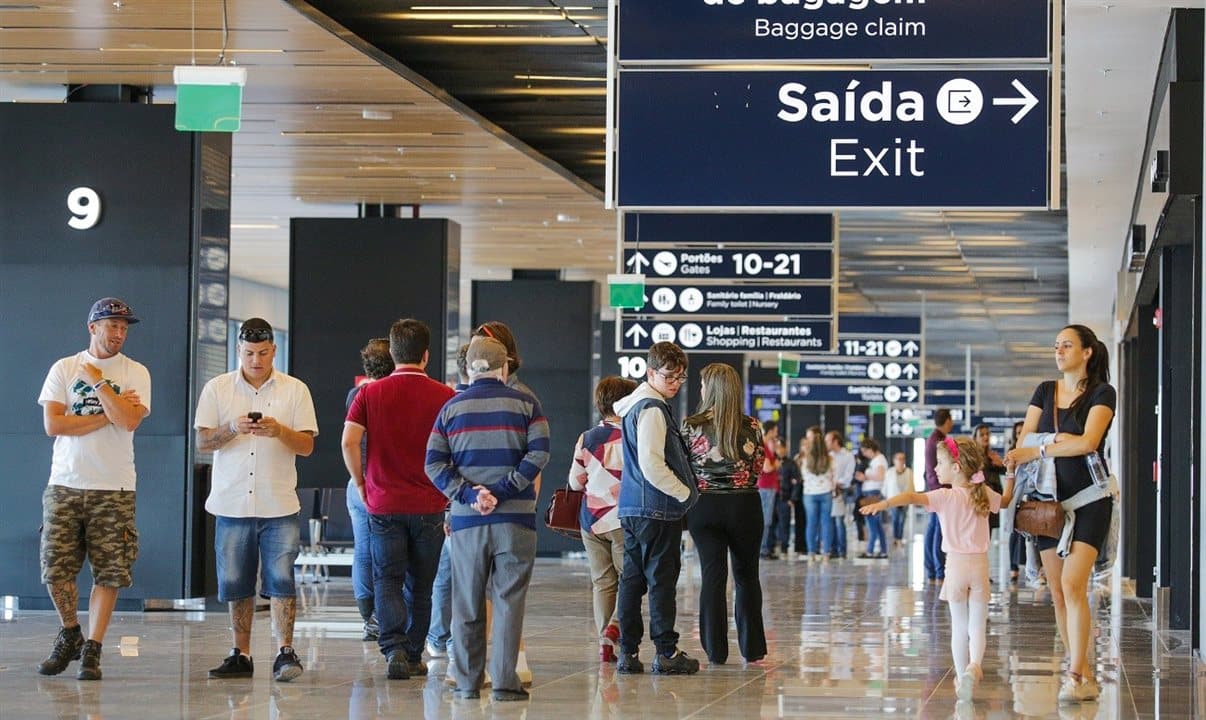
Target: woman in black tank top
1079 408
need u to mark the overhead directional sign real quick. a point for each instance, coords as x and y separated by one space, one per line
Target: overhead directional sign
719 229
778 300
857 369
944 138
916 421
665 31
849 394
723 264
727 336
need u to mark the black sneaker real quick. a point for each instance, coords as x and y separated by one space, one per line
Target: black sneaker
236 665
90 661
676 664
630 664
397 668
66 648
510 695
286 667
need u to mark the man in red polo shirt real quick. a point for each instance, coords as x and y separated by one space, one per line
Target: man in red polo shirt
406 512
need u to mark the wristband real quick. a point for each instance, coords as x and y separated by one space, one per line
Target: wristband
234 427
1042 452
100 382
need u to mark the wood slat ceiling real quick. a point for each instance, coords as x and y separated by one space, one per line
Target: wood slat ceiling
997 282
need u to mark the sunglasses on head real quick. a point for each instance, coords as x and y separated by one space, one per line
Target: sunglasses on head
255 334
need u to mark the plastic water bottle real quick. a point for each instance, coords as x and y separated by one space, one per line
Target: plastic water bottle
1097 469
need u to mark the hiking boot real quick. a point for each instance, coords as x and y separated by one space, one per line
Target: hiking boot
677 664
236 665
630 664
416 668
90 661
66 648
510 695
286 667
396 666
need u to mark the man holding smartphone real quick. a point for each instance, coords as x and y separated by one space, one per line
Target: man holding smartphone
256 421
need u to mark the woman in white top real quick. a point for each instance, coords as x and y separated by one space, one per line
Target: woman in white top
898 479
873 485
817 472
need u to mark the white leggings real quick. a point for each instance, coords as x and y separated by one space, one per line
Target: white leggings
969 620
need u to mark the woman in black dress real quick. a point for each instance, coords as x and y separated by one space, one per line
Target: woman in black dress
1078 409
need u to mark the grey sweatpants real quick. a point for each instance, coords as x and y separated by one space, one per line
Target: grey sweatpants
496 559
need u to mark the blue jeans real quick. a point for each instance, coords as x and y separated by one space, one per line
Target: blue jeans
362 560
439 634
406 552
243 545
875 527
819 528
767 496
898 522
839 530
935 559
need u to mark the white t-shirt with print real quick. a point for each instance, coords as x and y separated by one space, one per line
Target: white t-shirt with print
103 459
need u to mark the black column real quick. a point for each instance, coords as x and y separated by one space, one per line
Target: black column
555 324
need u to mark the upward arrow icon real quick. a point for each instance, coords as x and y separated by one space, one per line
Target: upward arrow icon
636 334
637 262
911 348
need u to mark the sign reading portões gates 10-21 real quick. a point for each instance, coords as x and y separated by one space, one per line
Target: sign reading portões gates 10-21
662 31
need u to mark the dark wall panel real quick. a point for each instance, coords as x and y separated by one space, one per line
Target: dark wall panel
555 325
350 279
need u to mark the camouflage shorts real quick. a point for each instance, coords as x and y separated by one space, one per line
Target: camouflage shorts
96 523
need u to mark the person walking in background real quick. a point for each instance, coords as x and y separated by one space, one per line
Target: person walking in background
486 448
726 453
439 635
994 466
963 508
768 485
898 479
872 488
92 402
816 469
935 560
256 421
596 470
377 364
843 463
791 502
406 514
656 490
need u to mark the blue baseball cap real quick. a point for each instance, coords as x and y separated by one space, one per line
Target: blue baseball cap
111 307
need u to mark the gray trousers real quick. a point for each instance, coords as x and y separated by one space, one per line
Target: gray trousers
489 561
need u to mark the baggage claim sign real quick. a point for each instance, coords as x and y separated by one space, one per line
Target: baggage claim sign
693 130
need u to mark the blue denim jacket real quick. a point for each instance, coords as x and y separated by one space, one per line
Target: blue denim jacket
639 498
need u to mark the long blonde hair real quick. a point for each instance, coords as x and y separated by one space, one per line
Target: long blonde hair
721 405
970 462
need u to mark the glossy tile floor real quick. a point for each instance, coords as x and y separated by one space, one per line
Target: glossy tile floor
847 639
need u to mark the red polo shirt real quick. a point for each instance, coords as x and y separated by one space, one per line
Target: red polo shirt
397 413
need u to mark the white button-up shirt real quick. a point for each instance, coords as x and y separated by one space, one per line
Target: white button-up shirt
255 476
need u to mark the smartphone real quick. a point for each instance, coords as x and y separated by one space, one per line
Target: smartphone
254 416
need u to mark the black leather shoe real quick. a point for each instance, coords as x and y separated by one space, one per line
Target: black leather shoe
396 667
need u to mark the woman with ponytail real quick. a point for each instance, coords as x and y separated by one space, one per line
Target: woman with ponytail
1074 413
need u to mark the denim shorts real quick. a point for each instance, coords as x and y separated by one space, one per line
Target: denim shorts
243 545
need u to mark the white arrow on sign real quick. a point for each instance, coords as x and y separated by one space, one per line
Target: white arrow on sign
911 348
1027 101
636 334
910 393
637 262
911 371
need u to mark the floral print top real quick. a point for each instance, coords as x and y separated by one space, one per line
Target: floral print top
715 473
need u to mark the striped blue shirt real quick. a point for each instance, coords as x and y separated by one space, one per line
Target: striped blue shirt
494 436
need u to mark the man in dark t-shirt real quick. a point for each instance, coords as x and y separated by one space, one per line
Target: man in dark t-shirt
935 559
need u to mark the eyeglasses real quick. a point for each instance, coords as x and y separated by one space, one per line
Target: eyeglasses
255 335
680 378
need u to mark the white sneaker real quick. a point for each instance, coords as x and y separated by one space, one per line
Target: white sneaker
1072 691
965 686
436 652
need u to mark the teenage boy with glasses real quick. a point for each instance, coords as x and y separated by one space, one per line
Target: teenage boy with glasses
656 490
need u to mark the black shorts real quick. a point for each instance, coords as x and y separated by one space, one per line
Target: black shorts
1092 526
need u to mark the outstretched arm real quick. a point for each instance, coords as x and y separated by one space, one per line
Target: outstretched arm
904 498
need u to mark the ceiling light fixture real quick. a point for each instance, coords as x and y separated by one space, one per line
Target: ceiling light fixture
506 40
562 78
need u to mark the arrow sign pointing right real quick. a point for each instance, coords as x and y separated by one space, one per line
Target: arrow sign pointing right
636 334
1027 101
637 262
910 393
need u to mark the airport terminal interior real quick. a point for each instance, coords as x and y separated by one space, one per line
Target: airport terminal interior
880 214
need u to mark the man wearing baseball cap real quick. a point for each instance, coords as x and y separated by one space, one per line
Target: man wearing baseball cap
92 402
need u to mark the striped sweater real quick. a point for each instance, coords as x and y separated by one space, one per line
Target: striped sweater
493 436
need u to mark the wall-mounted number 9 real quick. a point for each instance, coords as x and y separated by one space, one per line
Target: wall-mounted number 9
85 205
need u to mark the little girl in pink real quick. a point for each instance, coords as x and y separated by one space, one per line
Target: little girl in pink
962 510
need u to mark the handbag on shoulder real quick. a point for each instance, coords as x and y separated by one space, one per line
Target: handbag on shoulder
562 516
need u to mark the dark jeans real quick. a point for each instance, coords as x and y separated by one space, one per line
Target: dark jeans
1017 550
406 553
652 562
935 559
801 523
725 526
782 520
